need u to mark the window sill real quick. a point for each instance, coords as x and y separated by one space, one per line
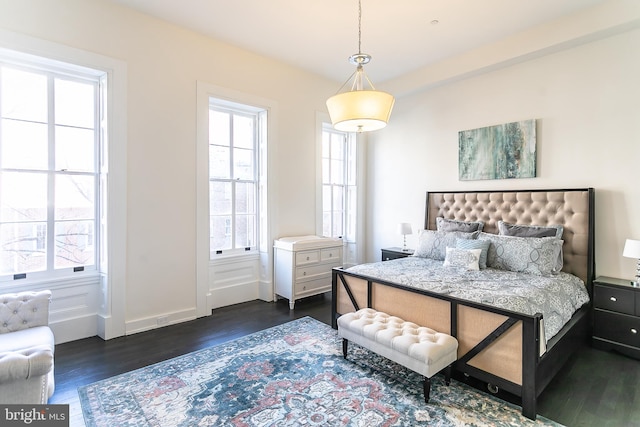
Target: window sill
51 283
236 256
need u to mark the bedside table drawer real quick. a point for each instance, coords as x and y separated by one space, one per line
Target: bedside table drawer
395 253
614 299
617 327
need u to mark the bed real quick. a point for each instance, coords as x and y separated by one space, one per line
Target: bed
510 348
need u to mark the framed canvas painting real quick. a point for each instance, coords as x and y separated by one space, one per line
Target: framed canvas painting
498 152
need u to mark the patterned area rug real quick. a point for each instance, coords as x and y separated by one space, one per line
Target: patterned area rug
289 375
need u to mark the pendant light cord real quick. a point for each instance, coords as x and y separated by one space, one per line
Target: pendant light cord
359 26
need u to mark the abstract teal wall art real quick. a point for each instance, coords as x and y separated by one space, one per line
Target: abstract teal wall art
498 152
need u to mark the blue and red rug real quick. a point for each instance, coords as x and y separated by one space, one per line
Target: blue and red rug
289 375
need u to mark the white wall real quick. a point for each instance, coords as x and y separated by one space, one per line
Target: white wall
164 62
586 101
585 98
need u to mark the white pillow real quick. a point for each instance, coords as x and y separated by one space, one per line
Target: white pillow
468 259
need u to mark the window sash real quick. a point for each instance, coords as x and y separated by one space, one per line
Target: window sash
64 237
234 141
339 163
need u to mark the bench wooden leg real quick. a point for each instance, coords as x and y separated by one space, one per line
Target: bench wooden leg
427 389
345 344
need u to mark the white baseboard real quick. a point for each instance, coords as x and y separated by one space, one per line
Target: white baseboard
230 295
265 291
149 323
75 329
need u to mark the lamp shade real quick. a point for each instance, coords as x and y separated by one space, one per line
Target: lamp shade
404 228
631 249
360 110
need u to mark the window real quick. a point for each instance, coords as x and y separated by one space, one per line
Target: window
234 141
230 273
50 128
339 190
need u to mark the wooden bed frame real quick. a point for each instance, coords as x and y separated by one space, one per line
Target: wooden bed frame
497 346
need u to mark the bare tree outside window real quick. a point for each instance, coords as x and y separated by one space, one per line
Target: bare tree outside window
48 170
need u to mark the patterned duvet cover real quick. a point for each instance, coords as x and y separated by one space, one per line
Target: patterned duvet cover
556 296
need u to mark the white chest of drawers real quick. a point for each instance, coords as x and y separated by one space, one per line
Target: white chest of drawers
302 265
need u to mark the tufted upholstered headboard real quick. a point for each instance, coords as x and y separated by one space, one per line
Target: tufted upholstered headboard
572 208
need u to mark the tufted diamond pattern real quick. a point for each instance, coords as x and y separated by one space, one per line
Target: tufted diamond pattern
24 310
418 342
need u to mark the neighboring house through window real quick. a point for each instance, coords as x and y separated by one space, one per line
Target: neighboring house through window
234 140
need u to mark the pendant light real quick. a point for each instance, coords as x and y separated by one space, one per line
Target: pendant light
360 109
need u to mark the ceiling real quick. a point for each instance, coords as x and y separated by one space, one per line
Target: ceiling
319 35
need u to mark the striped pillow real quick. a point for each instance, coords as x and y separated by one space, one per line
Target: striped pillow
476 244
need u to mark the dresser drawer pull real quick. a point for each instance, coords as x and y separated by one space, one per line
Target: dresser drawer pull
307 258
304 273
613 299
634 331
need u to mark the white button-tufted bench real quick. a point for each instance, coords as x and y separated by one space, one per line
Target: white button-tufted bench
418 348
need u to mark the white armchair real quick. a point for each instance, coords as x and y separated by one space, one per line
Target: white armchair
26 348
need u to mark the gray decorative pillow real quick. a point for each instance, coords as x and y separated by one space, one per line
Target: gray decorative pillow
463 258
483 245
433 244
443 224
534 255
507 229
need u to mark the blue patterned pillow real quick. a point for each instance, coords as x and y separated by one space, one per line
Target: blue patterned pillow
534 255
433 244
476 244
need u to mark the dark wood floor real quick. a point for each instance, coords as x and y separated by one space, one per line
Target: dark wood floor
596 388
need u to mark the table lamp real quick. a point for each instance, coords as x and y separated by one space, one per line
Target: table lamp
404 228
632 250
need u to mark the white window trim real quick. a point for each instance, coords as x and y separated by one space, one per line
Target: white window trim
112 304
204 91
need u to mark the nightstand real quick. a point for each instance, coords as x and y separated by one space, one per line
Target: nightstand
616 319
393 253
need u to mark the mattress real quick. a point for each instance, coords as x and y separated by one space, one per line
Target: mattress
556 297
